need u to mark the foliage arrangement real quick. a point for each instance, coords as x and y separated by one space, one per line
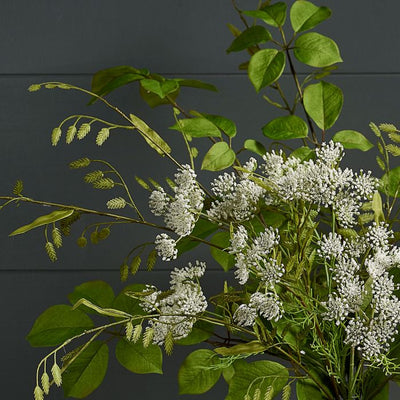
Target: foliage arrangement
311 245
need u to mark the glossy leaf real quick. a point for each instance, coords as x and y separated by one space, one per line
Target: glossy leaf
249 37
304 15
255 147
139 359
54 216
161 89
224 124
223 258
323 102
87 372
219 157
273 374
274 15
98 292
316 50
153 100
195 375
352 140
391 182
288 127
197 127
307 389
153 139
265 67
304 153
57 324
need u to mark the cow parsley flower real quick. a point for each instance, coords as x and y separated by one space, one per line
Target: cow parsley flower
166 247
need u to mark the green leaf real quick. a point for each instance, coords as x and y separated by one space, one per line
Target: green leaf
316 50
153 139
226 125
259 374
197 127
139 359
200 332
220 156
43 220
254 146
307 389
195 375
97 292
305 15
288 127
323 102
87 372
128 304
352 140
223 258
202 229
274 15
391 182
161 89
154 100
265 67
57 324
197 84
253 347
303 153
106 80
250 37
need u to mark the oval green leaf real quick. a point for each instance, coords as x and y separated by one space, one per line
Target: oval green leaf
283 128
57 324
139 359
255 147
303 153
274 374
195 375
220 156
352 140
306 389
226 125
274 15
197 127
161 89
305 15
86 373
223 258
97 292
316 50
250 37
390 182
265 67
43 220
323 102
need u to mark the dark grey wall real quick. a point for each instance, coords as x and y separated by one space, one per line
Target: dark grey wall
44 40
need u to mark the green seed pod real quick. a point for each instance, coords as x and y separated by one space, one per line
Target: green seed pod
135 264
129 330
93 176
103 183
124 272
81 241
56 135
116 203
80 163
45 382
137 333
70 135
56 373
57 238
169 343
34 88
148 336
104 233
83 130
51 251
102 136
38 393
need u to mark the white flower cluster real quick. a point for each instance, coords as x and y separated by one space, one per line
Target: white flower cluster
256 256
266 305
366 305
178 310
180 211
321 182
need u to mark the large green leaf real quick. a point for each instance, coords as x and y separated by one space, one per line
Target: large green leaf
255 147
54 216
249 37
265 67
197 84
305 15
316 50
307 389
97 292
224 124
323 102
220 156
154 100
139 359
197 127
153 139
128 304
196 374
223 258
274 15
86 373
161 89
259 374
288 127
57 324
391 182
352 140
